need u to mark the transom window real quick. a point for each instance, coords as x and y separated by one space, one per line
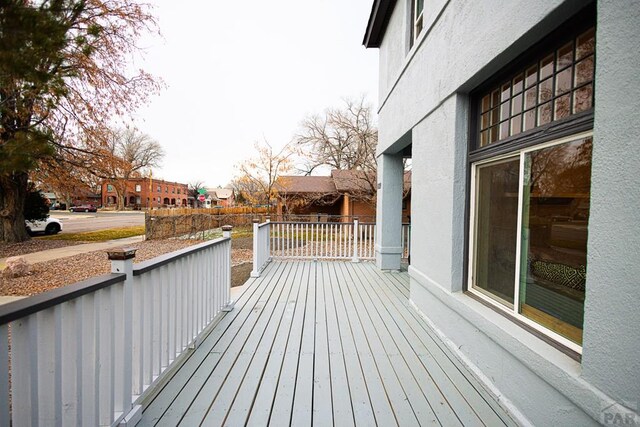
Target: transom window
530 194
553 87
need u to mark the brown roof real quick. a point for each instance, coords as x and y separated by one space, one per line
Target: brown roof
306 184
352 181
340 181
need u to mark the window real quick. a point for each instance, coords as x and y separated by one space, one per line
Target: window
138 188
159 190
417 7
178 191
557 85
109 187
166 189
530 192
530 222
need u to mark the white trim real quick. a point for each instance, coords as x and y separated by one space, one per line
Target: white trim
473 220
516 284
494 300
538 327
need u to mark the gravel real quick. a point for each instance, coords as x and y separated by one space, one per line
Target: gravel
53 274
34 245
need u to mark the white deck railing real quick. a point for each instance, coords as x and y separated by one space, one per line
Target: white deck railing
322 240
405 240
317 240
86 353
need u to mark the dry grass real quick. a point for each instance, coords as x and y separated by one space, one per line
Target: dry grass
100 235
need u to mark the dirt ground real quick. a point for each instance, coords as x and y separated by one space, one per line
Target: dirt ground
240 271
53 274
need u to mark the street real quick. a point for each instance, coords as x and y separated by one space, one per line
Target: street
80 222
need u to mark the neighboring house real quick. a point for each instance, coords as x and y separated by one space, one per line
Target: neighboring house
224 197
345 192
210 200
521 119
147 193
306 195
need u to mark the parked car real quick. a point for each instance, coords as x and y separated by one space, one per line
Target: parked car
83 208
48 226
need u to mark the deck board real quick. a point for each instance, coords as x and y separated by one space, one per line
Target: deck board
323 343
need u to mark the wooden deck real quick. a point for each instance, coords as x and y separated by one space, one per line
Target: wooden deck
323 343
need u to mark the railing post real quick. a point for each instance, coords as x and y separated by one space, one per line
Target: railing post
256 249
268 239
228 304
122 262
354 258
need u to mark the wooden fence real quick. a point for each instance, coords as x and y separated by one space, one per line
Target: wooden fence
168 223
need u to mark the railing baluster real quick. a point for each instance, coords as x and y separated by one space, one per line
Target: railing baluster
147 330
161 320
48 344
84 366
104 326
5 410
71 372
164 359
119 351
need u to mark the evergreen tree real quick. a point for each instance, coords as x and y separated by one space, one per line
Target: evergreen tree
62 80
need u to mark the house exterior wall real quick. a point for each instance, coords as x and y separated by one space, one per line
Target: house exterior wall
424 91
139 188
351 207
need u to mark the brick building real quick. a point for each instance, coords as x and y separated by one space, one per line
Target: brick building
145 193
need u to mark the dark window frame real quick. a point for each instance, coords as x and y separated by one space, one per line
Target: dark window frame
574 124
581 22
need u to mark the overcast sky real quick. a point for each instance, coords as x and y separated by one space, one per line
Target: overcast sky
243 71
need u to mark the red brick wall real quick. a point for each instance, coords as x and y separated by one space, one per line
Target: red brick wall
138 194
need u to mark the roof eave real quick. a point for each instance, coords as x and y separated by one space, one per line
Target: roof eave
378 20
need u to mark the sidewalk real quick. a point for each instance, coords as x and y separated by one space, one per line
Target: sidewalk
68 251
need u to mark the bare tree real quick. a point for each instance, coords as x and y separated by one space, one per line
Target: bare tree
193 188
345 139
256 177
127 153
342 138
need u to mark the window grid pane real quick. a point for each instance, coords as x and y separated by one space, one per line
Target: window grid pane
556 86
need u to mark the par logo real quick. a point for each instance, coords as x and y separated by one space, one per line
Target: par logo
619 415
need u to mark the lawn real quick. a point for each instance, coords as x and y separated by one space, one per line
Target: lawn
99 235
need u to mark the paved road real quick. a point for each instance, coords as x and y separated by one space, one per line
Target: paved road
73 222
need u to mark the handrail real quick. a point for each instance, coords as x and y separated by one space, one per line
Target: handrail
88 353
159 261
35 303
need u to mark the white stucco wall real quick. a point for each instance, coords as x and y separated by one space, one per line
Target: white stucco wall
467 43
439 174
612 328
424 91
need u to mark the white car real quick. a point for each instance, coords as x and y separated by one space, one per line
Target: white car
48 226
